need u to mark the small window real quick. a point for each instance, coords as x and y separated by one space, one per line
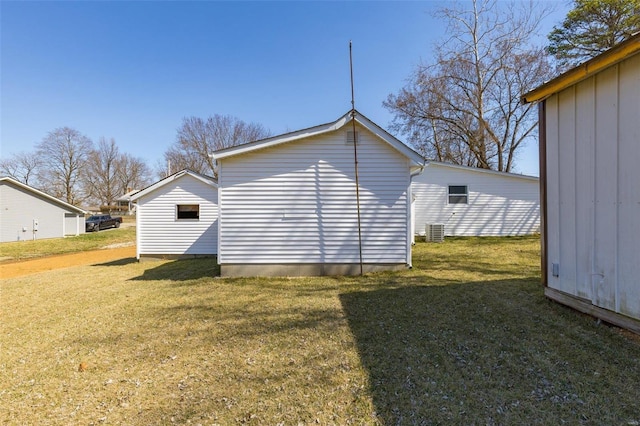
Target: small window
188 211
458 194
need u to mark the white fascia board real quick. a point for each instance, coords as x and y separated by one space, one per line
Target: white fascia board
417 159
276 140
324 128
128 195
479 170
172 178
416 170
42 194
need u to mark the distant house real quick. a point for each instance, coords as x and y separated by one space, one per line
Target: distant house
469 201
590 173
177 217
124 204
29 214
288 204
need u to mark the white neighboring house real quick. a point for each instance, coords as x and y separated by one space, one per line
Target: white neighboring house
177 217
29 214
124 203
590 172
288 203
475 202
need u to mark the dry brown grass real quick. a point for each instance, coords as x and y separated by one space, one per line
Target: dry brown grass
466 337
21 250
187 348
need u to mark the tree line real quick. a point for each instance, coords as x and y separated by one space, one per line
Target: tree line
462 107
70 166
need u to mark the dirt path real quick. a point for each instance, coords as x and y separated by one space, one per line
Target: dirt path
26 267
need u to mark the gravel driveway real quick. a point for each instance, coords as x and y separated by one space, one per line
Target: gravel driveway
26 267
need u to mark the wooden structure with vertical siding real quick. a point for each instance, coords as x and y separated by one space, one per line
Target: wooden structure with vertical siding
590 185
288 203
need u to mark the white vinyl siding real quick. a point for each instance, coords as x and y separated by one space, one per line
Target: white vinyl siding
161 232
593 129
74 223
296 203
498 204
19 207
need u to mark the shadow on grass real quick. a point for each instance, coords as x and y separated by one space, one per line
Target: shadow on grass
492 352
181 270
119 262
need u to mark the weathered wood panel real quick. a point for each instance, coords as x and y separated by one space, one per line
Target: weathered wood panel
567 191
628 243
585 305
593 150
606 164
584 181
553 191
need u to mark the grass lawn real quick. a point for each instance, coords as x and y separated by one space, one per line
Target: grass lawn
465 337
21 250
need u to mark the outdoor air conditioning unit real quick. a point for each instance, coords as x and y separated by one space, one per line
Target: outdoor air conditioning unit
434 232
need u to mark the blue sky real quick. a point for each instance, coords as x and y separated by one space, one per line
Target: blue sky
132 70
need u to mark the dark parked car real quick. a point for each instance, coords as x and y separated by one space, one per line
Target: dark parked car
98 222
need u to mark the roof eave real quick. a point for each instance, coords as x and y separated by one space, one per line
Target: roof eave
171 178
44 195
612 56
479 170
277 140
415 158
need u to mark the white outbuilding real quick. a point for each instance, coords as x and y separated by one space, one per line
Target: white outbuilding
289 204
30 214
455 200
177 217
590 173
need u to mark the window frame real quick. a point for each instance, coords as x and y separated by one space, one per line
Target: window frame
350 138
462 198
197 212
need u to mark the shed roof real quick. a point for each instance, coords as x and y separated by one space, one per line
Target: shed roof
127 196
203 178
617 53
41 194
479 170
344 120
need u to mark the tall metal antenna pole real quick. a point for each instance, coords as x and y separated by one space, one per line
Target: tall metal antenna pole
355 156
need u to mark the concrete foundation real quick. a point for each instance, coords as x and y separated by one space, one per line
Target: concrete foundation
156 257
304 269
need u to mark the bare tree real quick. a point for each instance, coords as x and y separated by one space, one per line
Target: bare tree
22 167
133 173
464 108
110 173
64 152
102 171
198 138
416 107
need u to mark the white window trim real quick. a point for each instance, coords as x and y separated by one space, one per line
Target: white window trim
193 219
449 194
